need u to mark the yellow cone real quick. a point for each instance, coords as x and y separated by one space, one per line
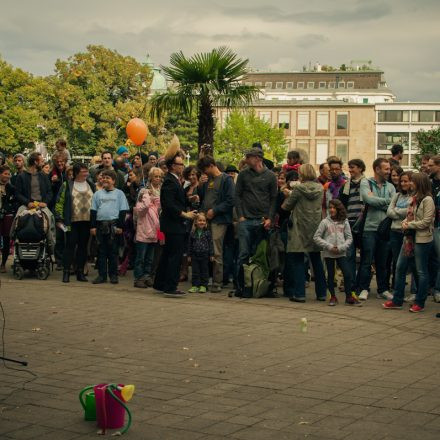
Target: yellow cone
127 392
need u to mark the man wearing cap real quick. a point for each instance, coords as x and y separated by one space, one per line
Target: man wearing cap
217 202
255 203
123 159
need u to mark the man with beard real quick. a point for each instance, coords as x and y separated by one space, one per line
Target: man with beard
33 190
19 161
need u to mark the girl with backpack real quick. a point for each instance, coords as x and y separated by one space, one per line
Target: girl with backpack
334 237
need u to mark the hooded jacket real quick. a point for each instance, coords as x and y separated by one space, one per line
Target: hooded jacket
332 233
305 204
147 215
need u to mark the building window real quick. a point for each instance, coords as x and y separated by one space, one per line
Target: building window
289 85
331 85
386 140
310 84
393 116
341 85
403 163
258 83
303 123
364 100
278 85
321 151
322 122
414 142
284 120
303 148
322 84
265 116
268 85
300 85
423 116
437 116
342 150
350 84
341 123
248 83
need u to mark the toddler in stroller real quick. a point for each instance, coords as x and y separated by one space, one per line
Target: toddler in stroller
32 250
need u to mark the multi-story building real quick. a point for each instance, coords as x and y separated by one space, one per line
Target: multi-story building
365 86
398 123
319 129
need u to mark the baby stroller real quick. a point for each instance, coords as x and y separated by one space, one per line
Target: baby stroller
31 250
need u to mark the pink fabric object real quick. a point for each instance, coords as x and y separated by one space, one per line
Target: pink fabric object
110 414
147 211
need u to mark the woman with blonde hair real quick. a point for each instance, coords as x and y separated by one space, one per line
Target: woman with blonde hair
305 204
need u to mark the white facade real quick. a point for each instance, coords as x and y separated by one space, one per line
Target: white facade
356 96
398 122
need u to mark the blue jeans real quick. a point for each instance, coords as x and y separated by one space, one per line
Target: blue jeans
396 240
420 261
351 265
373 249
294 275
144 259
250 232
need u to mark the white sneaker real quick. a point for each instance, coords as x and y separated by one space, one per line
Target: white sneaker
410 298
363 296
436 297
385 295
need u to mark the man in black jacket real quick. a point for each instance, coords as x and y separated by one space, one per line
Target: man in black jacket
172 224
217 202
32 185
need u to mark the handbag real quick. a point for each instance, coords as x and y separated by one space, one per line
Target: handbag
358 228
384 229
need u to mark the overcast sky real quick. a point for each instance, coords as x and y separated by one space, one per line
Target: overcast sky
399 36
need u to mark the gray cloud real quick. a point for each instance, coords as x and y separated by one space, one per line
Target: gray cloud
311 40
361 11
283 36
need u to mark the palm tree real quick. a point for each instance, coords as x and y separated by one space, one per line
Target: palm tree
200 83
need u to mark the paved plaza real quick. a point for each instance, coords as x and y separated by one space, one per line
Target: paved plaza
212 367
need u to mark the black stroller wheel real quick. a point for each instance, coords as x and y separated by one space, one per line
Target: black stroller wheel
18 272
42 273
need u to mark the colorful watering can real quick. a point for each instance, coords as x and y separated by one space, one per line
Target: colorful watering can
105 403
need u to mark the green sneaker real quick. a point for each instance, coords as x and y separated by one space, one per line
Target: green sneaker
194 289
202 289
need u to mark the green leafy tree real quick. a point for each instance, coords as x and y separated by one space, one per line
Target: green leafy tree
22 105
202 82
94 94
428 142
185 127
241 130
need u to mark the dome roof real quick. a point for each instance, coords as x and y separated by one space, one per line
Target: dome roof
159 83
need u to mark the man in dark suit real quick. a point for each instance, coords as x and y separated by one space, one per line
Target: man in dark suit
172 224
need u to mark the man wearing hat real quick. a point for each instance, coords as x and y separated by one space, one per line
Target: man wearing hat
255 203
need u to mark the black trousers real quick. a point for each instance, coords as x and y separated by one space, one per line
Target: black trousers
200 271
60 245
108 252
168 272
77 238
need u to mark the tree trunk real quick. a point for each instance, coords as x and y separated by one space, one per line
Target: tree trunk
206 128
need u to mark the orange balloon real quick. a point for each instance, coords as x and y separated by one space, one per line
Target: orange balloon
137 131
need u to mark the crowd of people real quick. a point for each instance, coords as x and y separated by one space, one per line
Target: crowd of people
158 217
